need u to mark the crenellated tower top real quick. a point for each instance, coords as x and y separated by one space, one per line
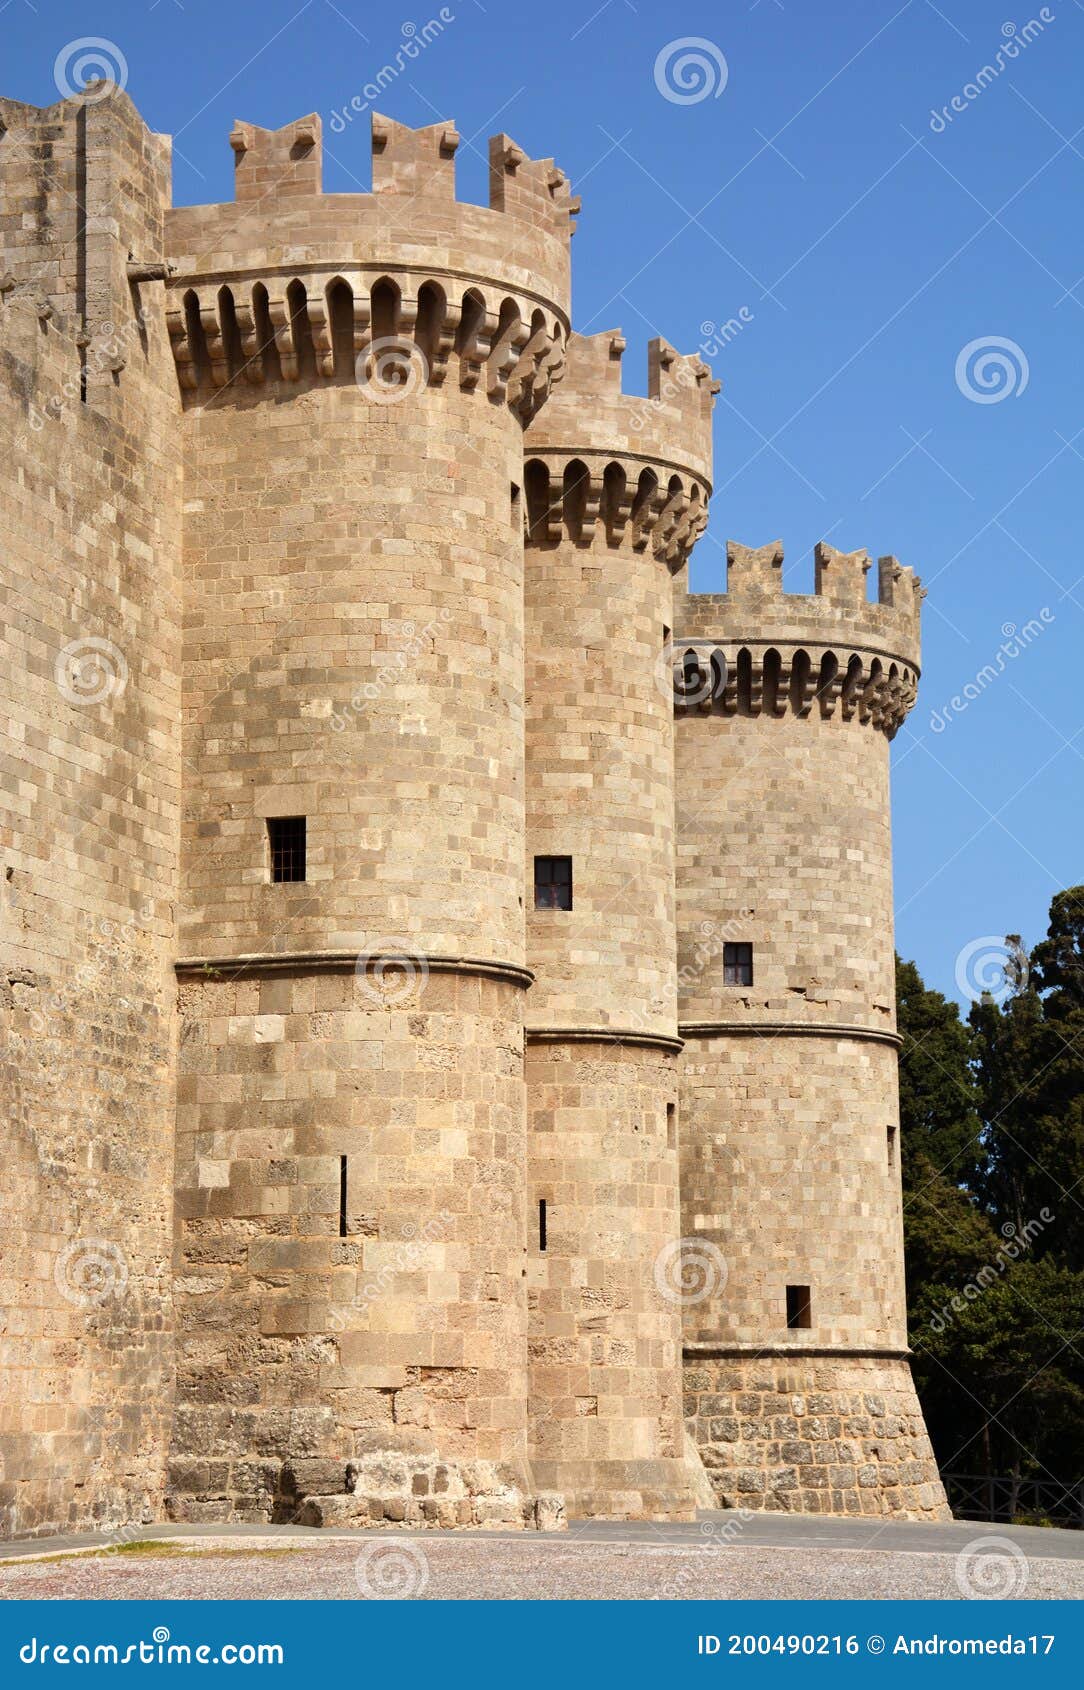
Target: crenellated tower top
756 648
624 465
291 284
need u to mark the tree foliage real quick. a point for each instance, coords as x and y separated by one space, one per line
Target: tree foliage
992 1130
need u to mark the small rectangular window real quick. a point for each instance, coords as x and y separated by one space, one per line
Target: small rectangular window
799 1312
737 965
892 1147
671 1126
553 883
541 1223
286 835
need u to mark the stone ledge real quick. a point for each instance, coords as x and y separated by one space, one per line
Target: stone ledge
256 963
785 1029
602 1035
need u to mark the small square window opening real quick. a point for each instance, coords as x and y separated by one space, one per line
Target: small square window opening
737 965
553 883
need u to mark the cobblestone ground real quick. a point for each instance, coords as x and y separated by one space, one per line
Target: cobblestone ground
435 1569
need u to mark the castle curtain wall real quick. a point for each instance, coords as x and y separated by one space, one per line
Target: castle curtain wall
90 670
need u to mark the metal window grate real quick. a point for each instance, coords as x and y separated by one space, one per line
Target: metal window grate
737 965
553 883
286 835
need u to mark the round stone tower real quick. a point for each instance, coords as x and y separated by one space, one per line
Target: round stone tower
356 370
616 491
797 1377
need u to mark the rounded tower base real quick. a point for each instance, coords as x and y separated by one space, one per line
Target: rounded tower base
620 1490
814 1432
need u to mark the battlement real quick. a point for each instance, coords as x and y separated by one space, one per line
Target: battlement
670 428
291 284
283 162
756 647
601 462
411 216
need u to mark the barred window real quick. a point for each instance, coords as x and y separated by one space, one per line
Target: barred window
286 836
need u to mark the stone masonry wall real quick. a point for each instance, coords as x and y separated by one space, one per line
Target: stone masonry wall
813 1434
354 655
603 536
89 628
789 1098
347 1365
605 1308
313 507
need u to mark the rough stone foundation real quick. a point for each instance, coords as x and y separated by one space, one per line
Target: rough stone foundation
809 1434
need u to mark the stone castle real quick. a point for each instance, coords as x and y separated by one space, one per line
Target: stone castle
446 988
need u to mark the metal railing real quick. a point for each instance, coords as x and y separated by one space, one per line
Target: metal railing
1009 1500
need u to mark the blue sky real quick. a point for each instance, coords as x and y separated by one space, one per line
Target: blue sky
869 242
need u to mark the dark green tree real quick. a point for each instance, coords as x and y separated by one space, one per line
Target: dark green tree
1001 1367
1030 1071
946 1236
992 1118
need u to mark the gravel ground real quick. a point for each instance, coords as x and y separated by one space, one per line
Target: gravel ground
439 1568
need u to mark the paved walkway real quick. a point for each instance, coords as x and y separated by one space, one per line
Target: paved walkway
722 1556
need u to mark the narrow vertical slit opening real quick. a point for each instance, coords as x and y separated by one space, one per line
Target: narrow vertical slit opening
541 1223
342 1196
